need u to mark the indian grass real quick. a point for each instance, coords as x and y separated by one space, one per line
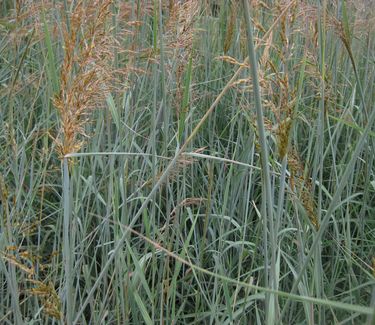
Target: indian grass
149 206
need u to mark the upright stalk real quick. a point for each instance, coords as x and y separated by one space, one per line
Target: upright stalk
267 200
67 248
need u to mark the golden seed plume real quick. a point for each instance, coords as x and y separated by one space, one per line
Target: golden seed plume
86 73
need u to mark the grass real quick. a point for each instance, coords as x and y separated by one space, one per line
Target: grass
198 162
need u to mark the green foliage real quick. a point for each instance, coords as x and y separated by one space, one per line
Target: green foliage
144 177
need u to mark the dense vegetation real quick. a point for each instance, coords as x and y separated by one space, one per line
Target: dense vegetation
198 162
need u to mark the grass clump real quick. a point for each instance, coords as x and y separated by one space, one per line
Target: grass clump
187 162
